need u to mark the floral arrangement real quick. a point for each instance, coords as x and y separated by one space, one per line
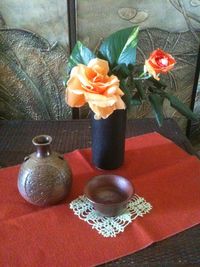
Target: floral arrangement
108 79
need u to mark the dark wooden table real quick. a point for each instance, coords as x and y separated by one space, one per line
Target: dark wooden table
15 142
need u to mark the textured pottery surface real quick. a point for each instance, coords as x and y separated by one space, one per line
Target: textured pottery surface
45 177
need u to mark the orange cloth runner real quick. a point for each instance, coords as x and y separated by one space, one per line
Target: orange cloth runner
161 172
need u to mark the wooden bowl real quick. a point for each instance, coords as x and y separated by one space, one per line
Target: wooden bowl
109 194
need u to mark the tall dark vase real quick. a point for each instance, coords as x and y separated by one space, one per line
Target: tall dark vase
108 140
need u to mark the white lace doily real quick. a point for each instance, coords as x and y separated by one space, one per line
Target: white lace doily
110 226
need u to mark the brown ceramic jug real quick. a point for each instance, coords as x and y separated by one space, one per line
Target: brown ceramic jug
45 177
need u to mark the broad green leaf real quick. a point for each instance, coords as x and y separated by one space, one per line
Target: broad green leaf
120 47
181 107
80 55
157 105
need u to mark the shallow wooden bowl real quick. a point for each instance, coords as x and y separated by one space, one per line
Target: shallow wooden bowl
109 194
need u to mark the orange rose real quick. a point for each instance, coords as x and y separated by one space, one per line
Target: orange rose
159 62
92 84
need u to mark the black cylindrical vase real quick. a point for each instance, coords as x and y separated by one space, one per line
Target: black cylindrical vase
108 140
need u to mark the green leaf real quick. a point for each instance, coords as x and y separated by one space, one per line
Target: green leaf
80 55
120 47
157 84
140 89
156 102
181 107
136 100
127 95
121 71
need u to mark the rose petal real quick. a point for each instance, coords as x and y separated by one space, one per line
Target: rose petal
111 90
99 65
105 112
114 90
102 112
75 85
100 100
119 92
102 87
150 69
81 75
74 100
120 103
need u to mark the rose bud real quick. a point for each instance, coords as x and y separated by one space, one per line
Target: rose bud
159 62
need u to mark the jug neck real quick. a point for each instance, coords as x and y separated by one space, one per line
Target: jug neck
42 144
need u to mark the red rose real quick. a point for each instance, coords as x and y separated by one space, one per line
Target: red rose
159 62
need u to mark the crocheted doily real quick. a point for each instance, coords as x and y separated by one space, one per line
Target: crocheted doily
110 226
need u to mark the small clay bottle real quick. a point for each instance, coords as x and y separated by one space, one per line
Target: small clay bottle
45 177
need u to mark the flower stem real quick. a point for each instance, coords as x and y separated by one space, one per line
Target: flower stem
143 76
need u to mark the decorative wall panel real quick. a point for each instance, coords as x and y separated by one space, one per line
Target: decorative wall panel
32 59
99 18
47 18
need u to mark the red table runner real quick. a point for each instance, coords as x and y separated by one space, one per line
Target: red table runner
162 173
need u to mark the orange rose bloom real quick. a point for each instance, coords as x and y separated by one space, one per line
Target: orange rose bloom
159 62
92 84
